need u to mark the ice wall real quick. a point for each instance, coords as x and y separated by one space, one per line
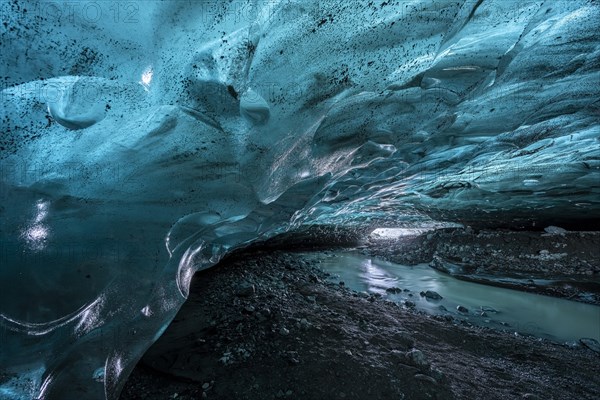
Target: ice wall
143 140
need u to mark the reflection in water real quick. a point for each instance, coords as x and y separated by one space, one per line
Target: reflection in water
521 312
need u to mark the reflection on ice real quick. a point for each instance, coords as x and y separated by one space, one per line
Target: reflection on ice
36 234
147 77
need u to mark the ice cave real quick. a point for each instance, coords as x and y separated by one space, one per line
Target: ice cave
299 199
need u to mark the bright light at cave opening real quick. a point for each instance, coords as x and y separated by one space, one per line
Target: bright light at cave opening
392 233
147 77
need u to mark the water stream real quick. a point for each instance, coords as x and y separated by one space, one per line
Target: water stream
521 312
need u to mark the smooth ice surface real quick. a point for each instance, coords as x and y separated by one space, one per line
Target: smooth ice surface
141 141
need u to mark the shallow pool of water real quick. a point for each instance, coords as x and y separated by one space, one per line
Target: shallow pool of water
521 312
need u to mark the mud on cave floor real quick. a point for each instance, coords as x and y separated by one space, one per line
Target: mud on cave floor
268 325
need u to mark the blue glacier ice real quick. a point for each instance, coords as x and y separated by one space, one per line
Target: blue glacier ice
142 141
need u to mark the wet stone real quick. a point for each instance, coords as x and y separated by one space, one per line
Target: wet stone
430 294
394 290
245 289
425 378
417 358
591 344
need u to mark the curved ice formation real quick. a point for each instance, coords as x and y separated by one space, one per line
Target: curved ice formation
254 107
74 104
142 141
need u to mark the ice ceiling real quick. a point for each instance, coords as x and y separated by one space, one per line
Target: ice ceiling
143 140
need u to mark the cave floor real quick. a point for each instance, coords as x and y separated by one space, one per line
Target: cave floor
269 325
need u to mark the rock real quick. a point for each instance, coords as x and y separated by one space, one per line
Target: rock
292 358
304 324
462 309
399 354
249 309
284 331
290 267
409 304
394 290
555 230
342 283
425 378
591 344
417 358
442 308
437 374
245 289
265 313
205 386
430 294
313 278
530 396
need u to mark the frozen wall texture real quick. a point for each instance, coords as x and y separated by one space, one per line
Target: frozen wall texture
143 140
